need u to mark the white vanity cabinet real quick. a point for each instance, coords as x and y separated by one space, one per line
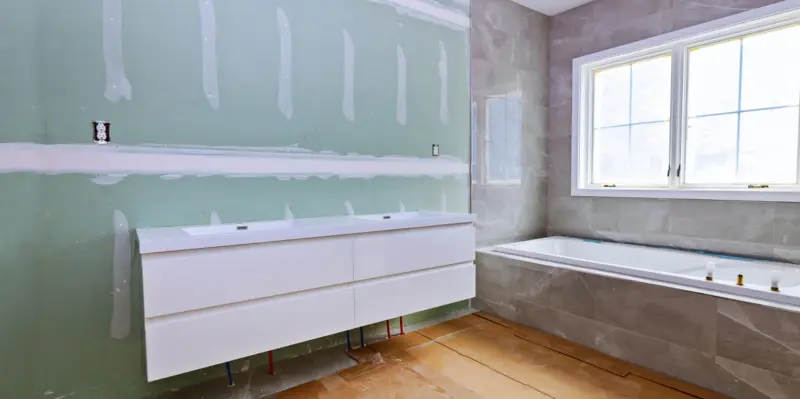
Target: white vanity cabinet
219 293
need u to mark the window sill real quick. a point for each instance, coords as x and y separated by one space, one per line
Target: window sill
764 195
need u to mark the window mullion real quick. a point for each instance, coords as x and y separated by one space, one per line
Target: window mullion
739 107
676 113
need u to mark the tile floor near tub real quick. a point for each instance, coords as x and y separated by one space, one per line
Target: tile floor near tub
482 356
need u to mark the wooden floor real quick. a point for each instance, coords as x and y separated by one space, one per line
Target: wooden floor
481 356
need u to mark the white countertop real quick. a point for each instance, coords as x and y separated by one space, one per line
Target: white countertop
169 239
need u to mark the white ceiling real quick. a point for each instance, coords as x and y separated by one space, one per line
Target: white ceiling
551 7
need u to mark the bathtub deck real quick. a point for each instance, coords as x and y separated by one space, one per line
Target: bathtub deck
482 356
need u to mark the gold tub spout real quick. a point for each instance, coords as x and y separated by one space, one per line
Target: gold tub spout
740 280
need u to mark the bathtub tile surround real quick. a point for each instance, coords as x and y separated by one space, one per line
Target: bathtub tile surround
766 230
679 317
509 64
743 350
763 337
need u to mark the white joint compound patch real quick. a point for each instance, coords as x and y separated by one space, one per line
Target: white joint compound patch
117 84
121 313
402 206
430 11
444 110
444 201
215 221
287 212
349 80
180 161
285 82
208 23
349 206
401 86
107 180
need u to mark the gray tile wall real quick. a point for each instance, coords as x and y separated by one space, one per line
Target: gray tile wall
760 229
509 55
740 349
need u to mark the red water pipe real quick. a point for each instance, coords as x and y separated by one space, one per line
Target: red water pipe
388 330
401 326
271 364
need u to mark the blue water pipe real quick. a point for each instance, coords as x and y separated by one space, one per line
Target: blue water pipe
230 376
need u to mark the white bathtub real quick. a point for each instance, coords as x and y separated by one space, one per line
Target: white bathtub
674 268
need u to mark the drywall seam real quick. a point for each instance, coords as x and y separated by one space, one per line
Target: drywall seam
285 78
430 11
288 163
401 86
349 80
121 311
117 84
444 110
208 23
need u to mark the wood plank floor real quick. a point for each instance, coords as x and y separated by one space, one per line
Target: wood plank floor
482 356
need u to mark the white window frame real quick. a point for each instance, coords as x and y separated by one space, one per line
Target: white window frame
678 44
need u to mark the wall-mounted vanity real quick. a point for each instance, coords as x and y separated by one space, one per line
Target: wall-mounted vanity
218 293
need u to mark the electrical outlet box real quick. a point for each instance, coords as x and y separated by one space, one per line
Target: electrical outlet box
435 150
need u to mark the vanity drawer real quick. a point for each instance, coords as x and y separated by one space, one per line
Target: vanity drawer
180 343
402 251
395 296
188 280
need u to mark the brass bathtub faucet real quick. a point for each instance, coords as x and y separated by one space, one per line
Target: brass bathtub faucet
740 280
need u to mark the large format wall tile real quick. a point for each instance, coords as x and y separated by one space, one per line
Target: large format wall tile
557 289
743 381
680 317
676 360
509 62
740 349
562 324
762 337
496 280
763 230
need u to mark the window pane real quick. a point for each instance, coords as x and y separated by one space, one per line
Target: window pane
612 97
610 157
771 69
651 90
714 79
649 157
711 149
768 146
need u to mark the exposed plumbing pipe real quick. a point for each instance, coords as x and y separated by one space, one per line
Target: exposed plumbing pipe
230 376
361 330
348 341
271 364
401 326
388 330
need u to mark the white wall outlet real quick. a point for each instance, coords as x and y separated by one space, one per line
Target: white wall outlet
435 150
101 132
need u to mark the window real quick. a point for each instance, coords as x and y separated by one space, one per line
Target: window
631 123
711 111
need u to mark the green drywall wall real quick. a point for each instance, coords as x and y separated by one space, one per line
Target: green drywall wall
163 62
56 231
